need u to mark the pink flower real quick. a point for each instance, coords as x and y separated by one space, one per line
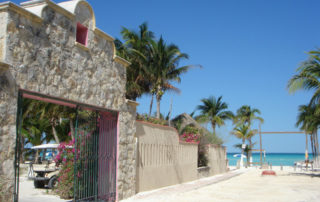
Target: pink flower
58 157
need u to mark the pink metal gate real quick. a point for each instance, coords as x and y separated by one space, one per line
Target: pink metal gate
96 159
107 156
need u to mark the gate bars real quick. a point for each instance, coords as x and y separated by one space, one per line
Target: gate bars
107 156
95 156
17 151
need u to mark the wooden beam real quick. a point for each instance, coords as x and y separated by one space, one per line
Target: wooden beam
283 132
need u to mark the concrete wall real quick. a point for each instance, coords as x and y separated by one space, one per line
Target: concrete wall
162 160
217 159
39 53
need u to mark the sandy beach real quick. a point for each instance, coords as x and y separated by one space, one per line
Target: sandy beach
248 185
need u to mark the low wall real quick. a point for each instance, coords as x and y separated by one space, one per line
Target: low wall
217 159
161 159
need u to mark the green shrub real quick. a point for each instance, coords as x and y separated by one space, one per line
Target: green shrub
190 129
211 138
202 159
146 118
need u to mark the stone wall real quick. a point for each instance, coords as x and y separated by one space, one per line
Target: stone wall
39 53
127 156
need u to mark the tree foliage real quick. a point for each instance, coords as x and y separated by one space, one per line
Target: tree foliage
308 78
245 115
44 122
214 111
309 120
154 64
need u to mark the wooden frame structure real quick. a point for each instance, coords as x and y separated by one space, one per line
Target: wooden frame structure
278 132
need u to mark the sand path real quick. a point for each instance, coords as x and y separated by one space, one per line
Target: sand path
27 193
249 186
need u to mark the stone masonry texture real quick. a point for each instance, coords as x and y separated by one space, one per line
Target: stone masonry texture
40 54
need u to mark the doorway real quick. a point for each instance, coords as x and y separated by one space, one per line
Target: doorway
86 153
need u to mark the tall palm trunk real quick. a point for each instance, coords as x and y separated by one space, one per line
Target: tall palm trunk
242 153
36 158
250 145
151 103
72 129
316 149
213 124
312 145
55 135
249 157
306 152
158 105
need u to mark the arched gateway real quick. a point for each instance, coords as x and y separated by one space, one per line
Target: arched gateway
54 52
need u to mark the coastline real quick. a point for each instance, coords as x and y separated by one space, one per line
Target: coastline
276 159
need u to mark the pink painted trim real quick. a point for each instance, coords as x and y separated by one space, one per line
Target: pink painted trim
25 95
82 30
87 35
63 100
118 134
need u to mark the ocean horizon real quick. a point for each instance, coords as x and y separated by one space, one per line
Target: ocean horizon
275 158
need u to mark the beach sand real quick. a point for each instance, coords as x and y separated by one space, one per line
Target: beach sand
288 185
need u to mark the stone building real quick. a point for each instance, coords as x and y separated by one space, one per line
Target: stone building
57 50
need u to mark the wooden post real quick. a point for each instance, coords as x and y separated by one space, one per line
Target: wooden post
306 153
260 145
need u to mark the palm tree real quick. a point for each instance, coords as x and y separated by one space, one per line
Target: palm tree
38 110
154 65
307 77
164 68
246 115
243 132
309 120
32 131
214 111
32 125
136 50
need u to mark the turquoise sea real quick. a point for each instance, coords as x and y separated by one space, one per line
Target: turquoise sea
277 159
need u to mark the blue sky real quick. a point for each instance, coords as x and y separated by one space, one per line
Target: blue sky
248 49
